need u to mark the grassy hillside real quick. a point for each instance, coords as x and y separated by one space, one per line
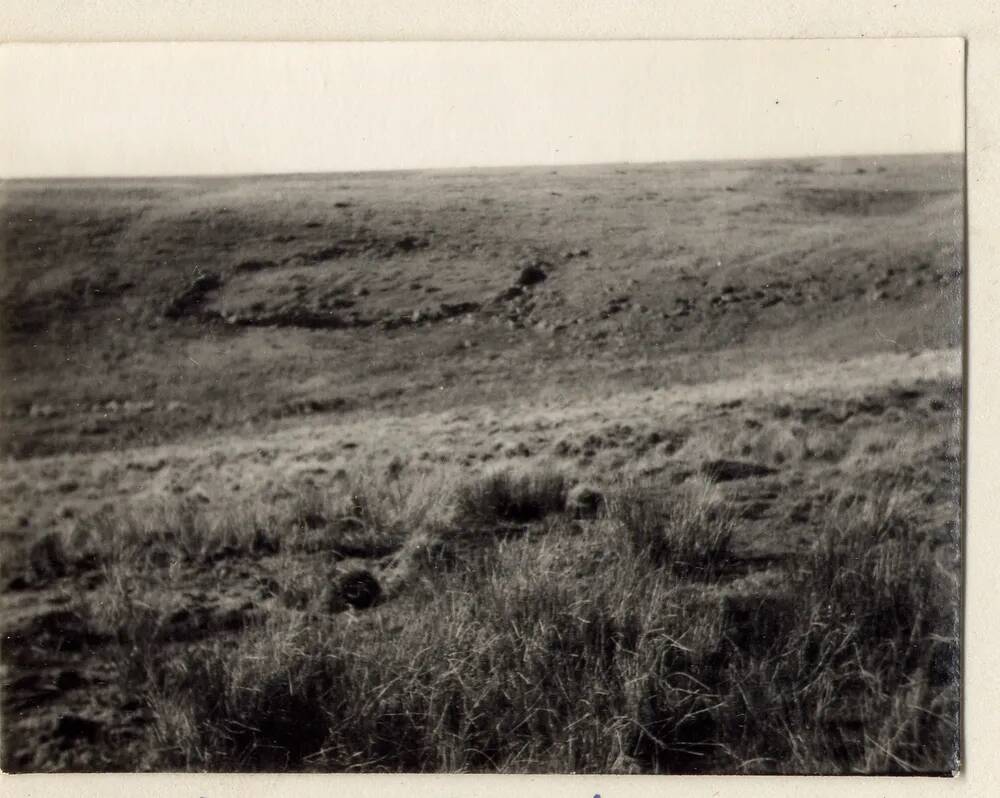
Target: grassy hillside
601 469
386 292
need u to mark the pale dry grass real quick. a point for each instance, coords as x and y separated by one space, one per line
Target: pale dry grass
608 647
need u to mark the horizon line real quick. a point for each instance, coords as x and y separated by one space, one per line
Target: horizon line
477 168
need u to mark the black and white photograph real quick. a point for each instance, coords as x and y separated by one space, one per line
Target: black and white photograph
483 407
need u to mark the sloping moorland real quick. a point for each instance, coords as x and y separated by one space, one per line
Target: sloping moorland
619 468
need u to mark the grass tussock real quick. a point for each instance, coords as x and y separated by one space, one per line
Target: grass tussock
372 517
261 708
486 674
623 644
690 532
511 496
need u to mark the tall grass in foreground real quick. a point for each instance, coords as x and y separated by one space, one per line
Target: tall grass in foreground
588 649
690 532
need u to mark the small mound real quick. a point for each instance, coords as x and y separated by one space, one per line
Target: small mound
584 501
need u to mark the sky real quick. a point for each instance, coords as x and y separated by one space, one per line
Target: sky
230 108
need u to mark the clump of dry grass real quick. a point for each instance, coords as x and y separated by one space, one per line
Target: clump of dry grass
876 614
505 666
873 564
511 496
612 646
689 531
371 518
264 709
167 532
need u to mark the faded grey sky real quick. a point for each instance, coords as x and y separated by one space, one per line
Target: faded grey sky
145 109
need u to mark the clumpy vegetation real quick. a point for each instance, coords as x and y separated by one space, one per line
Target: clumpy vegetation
481 622
624 644
675 490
